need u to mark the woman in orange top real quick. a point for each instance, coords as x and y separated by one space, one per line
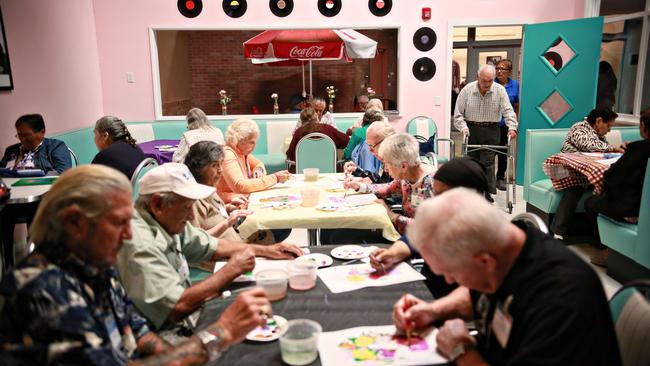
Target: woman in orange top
242 172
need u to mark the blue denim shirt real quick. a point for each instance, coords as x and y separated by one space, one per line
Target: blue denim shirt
52 155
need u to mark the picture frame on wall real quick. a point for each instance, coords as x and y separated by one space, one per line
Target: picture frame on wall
6 81
492 60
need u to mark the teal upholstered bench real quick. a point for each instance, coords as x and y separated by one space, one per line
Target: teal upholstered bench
269 149
540 144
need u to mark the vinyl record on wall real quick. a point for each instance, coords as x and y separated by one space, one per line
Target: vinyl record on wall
380 7
234 8
281 8
424 69
190 8
424 39
329 8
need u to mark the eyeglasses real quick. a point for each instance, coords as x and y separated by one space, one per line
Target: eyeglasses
502 69
375 145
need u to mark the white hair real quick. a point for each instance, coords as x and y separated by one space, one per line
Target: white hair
382 129
375 103
398 148
241 129
458 224
487 67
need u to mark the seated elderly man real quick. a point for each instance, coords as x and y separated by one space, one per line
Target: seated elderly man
533 301
154 264
64 305
34 151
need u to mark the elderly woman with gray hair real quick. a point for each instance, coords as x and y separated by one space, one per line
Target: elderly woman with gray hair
211 214
199 129
242 172
413 179
117 149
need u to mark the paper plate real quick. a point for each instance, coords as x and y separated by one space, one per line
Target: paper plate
268 333
284 205
349 252
322 260
327 207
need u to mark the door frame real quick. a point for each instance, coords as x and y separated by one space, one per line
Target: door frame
450 49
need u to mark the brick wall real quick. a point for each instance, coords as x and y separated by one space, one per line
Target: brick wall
218 62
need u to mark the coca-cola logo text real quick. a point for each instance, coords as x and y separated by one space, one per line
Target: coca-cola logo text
311 52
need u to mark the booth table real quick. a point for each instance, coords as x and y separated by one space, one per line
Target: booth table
368 306
151 150
576 169
372 216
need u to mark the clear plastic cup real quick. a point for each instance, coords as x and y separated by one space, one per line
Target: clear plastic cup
302 275
311 174
274 282
299 341
309 196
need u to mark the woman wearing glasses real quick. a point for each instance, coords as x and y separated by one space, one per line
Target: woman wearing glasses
504 71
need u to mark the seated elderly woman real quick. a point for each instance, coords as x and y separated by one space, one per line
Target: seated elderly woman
211 214
584 136
199 129
413 179
242 172
309 124
462 172
117 149
359 134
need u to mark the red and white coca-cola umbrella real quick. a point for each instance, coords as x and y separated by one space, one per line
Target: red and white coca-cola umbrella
299 46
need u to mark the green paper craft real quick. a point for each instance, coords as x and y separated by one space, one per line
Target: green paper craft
34 182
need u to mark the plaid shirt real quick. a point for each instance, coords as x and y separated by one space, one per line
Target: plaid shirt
471 105
56 309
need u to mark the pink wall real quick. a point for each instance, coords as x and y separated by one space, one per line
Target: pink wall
123 46
53 54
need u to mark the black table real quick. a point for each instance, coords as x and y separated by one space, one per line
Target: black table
368 306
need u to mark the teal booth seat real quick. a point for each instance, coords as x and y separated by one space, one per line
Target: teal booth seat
630 240
542 143
269 149
630 309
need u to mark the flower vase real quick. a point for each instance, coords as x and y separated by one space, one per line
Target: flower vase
276 108
330 108
224 109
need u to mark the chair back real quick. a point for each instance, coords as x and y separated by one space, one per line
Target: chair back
532 219
630 308
431 159
145 165
316 150
423 126
73 158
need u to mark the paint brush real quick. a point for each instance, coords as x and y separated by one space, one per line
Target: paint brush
409 328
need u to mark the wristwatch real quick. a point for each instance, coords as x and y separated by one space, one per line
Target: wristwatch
211 342
459 350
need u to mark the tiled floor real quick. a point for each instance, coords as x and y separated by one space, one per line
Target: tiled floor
299 237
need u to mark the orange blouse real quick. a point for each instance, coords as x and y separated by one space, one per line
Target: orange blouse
237 176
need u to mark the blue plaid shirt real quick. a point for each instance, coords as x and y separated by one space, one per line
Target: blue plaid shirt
56 309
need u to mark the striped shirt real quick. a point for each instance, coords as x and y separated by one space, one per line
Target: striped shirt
472 106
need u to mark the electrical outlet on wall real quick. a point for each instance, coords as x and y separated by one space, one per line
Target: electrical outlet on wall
129 77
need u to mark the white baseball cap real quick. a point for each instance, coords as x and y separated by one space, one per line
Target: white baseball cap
173 177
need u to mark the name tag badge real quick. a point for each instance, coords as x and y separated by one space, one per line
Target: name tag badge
501 326
113 332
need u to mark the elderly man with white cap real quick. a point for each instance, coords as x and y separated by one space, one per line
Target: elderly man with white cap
154 264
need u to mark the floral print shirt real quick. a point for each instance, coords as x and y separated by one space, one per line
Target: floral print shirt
410 194
56 309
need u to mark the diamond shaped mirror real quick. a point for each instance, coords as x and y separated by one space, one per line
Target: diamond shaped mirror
555 107
558 55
